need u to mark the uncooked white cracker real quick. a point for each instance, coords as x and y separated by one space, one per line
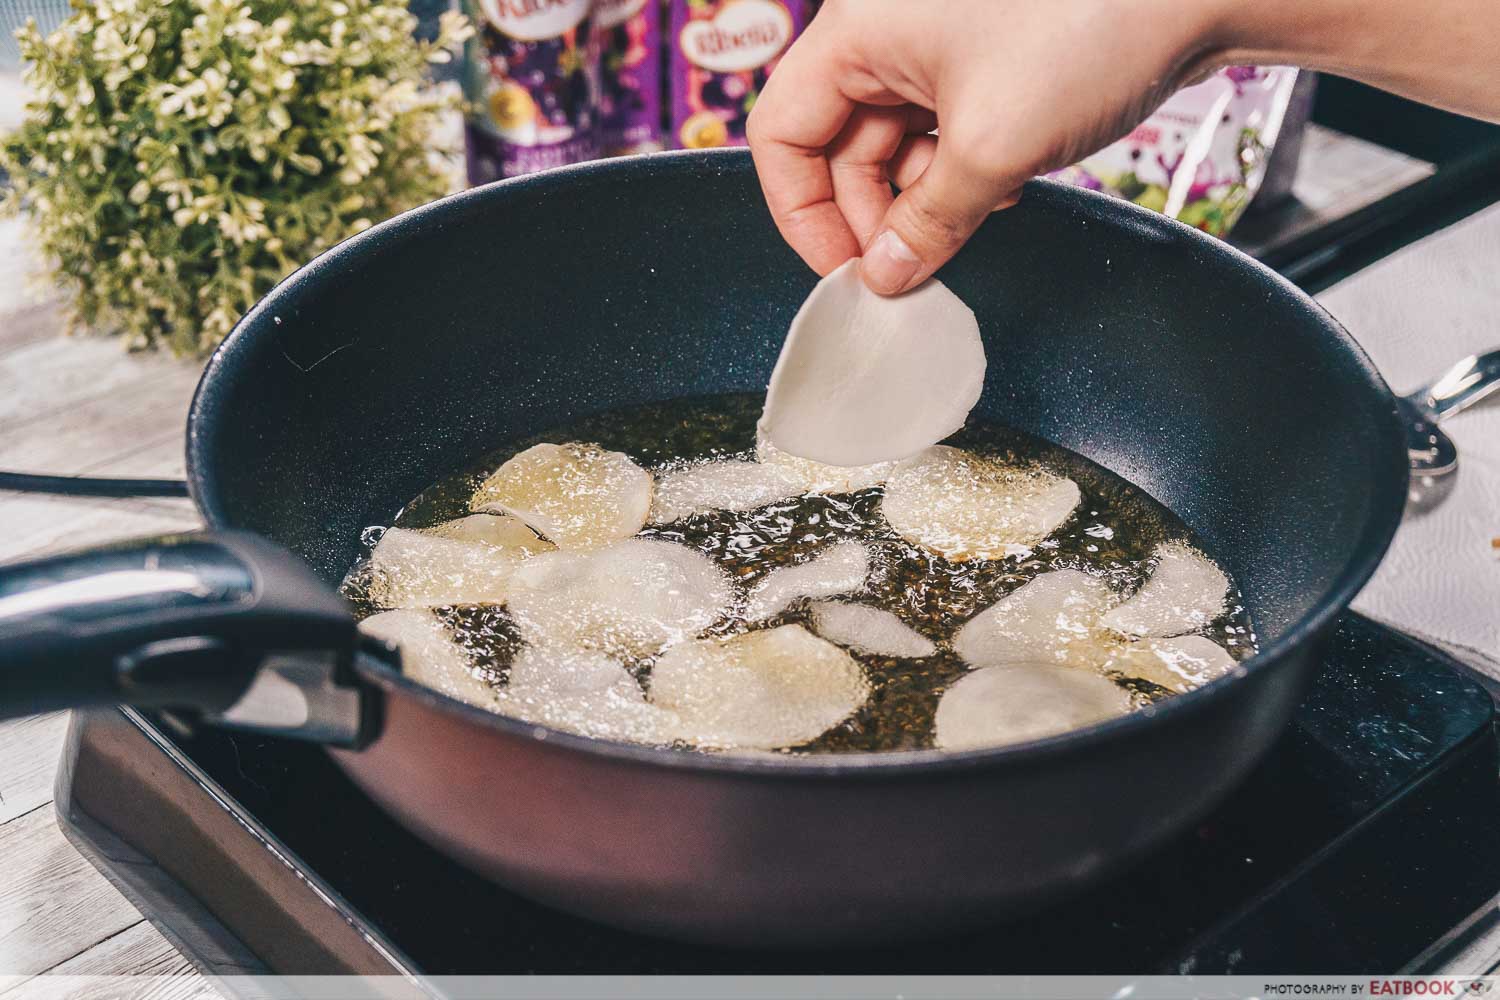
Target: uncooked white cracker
868 630
1019 702
1184 593
866 378
816 477
760 690
839 569
1178 664
722 484
1053 618
965 506
632 598
577 496
430 656
416 569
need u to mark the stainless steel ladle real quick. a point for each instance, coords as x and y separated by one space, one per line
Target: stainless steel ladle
1431 451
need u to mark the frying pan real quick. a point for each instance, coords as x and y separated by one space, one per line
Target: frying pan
400 355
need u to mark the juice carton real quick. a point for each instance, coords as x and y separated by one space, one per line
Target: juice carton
630 97
532 72
722 53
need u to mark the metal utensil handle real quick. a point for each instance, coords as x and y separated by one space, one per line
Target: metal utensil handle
1463 385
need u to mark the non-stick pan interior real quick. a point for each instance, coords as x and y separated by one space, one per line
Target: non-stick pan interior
1151 349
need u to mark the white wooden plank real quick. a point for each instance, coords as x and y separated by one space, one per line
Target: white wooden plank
163 459
53 904
29 753
22 325
71 407
136 951
46 378
37 525
69 987
68 404
97 430
22 276
155 968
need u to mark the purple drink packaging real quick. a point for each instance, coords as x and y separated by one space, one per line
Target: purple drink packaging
531 76
722 52
630 95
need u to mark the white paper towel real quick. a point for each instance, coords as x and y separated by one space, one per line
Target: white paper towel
1417 312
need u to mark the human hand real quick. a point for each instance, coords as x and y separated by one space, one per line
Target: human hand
1015 87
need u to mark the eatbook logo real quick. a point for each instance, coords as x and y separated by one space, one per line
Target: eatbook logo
535 20
743 35
609 13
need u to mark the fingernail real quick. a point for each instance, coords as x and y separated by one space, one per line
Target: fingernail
889 264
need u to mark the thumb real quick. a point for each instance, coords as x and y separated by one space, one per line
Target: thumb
932 219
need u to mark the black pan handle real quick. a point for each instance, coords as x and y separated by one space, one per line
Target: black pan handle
227 626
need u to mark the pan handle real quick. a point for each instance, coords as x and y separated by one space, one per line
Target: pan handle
226 626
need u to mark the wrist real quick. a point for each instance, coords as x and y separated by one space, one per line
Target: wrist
1314 34
1440 51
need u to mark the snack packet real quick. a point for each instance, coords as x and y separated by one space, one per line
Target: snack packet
1202 155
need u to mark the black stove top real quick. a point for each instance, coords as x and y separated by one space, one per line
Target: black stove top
1363 838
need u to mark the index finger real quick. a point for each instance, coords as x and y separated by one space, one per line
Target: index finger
800 111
